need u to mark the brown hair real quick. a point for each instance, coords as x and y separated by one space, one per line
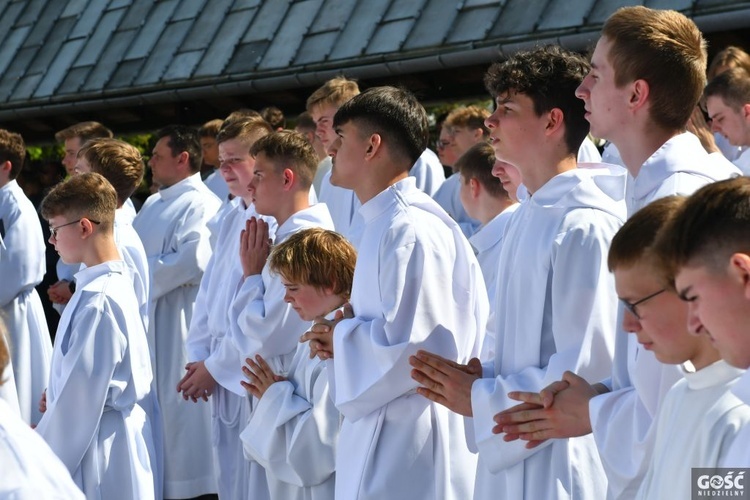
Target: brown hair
248 130
274 116
635 239
84 131
335 92
709 227
729 57
210 128
733 86
87 195
471 117
12 149
477 163
317 257
289 149
305 122
119 162
667 50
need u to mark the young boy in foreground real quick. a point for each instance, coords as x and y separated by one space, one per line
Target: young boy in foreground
699 417
101 369
295 425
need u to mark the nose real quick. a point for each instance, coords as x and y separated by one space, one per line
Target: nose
582 92
287 297
629 322
491 121
714 124
334 147
693 321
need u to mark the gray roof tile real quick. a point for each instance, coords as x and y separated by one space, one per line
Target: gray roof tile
47 52
207 25
74 80
222 47
75 7
183 65
358 30
43 25
267 21
151 31
333 15
32 11
681 5
97 43
483 3
111 57
88 22
245 4
59 67
16 69
188 9
287 40
26 86
10 46
247 56
433 24
125 74
471 24
390 36
116 4
517 17
403 10
138 12
9 14
566 14
604 8
315 48
162 55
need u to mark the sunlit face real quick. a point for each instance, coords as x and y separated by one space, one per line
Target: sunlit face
464 138
82 166
64 237
164 166
309 301
266 186
210 151
729 122
509 176
446 148
660 326
348 152
717 306
236 166
606 104
72 146
322 115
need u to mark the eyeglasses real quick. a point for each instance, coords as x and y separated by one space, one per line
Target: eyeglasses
53 230
630 306
442 144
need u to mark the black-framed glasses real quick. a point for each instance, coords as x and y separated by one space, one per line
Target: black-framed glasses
630 306
53 230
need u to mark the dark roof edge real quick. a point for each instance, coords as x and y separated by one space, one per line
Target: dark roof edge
483 55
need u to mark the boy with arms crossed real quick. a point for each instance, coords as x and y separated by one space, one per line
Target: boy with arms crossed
101 369
295 425
416 285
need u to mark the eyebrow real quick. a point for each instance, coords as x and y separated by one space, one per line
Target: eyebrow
682 294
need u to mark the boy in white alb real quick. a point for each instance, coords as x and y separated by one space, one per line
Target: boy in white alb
555 305
101 369
295 425
22 267
214 364
416 285
705 250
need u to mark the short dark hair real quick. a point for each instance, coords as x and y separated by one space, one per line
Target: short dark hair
477 163
83 195
393 113
733 86
210 128
182 138
274 116
12 149
712 224
549 76
289 149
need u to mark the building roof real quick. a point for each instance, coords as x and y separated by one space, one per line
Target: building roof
133 64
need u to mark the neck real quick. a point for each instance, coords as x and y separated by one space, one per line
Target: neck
492 207
299 201
707 354
387 178
635 150
102 249
535 177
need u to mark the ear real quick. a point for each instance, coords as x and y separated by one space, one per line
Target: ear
745 110
477 134
639 94
5 167
474 187
184 158
288 178
555 121
739 267
375 143
87 228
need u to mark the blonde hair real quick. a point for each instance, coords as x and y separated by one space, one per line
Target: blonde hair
335 92
471 117
289 149
119 162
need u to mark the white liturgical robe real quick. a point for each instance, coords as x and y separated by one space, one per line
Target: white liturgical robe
22 267
697 423
417 285
622 420
448 196
100 374
172 227
739 452
428 172
293 430
555 310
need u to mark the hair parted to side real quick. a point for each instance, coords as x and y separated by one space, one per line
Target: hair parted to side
182 138
87 195
477 163
667 50
119 162
12 149
733 86
289 149
393 113
727 58
248 130
470 117
317 257
635 240
549 76
711 226
84 131
334 92
210 128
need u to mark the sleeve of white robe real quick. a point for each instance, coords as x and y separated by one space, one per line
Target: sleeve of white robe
291 437
582 324
198 343
371 355
95 348
19 264
188 255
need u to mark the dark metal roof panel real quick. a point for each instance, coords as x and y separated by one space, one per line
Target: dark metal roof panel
267 21
125 74
137 13
115 4
221 49
16 71
518 17
245 4
32 11
59 67
151 31
390 36
43 25
358 30
247 56
183 65
333 15
289 37
681 5
47 52
433 24
207 25
483 3
471 24
403 10
26 86
98 41
74 80
10 47
604 8
315 48
75 7
89 21
163 54
565 14
188 9
111 57
9 14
